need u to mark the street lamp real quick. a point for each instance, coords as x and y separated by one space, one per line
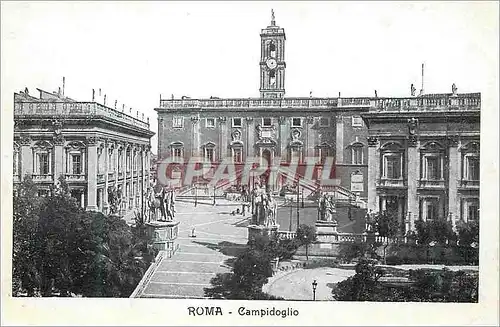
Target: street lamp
314 284
195 195
305 241
302 193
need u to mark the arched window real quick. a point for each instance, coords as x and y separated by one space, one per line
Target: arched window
272 49
432 161
357 153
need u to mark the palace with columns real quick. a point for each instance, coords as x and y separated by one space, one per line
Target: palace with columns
271 126
416 155
423 155
95 148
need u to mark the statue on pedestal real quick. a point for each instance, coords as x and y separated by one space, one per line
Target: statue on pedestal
161 203
326 208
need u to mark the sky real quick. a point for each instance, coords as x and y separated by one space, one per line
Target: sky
137 51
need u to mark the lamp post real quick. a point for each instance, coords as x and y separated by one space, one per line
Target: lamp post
302 194
314 285
291 214
195 195
298 194
214 195
307 244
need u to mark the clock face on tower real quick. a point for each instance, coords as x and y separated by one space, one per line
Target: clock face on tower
271 63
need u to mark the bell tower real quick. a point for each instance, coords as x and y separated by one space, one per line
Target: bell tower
272 61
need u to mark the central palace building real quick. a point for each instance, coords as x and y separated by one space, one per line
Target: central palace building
417 155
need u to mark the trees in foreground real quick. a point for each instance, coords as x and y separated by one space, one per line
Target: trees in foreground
251 270
424 286
60 249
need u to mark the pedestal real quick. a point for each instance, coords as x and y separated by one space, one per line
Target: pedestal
325 227
254 230
163 234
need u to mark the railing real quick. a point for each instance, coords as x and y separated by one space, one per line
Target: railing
348 238
468 101
471 101
389 182
425 183
75 177
42 177
469 183
251 103
75 109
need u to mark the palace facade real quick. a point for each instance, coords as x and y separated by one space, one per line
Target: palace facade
416 155
423 155
93 146
273 126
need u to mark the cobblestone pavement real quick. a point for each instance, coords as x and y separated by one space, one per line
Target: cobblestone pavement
219 237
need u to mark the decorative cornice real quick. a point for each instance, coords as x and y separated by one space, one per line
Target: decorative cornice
412 141
25 140
92 141
372 141
412 126
58 139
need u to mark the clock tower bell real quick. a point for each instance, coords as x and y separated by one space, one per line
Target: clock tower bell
272 61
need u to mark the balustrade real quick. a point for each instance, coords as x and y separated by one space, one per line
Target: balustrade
42 177
423 183
75 109
75 177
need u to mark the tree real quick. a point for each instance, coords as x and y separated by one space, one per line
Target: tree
306 235
436 230
26 205
362 286
250 272
58 247
386 224
468 232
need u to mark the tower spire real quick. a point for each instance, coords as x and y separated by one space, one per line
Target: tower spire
273 19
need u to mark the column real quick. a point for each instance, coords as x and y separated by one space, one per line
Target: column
91 174
339 140
58 157
224 143
106 178
412 177
26 158
195 151
453 177
309 137
283 137
373 173
135 178
250 138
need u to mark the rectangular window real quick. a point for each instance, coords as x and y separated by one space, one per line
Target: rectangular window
357 155
266 122
210 122
76 161
236 122
473 168
296 122
43 159
393 167
357 121
324 122
473 211
431 210
433 168
177 152
209 154
178 122
237 155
